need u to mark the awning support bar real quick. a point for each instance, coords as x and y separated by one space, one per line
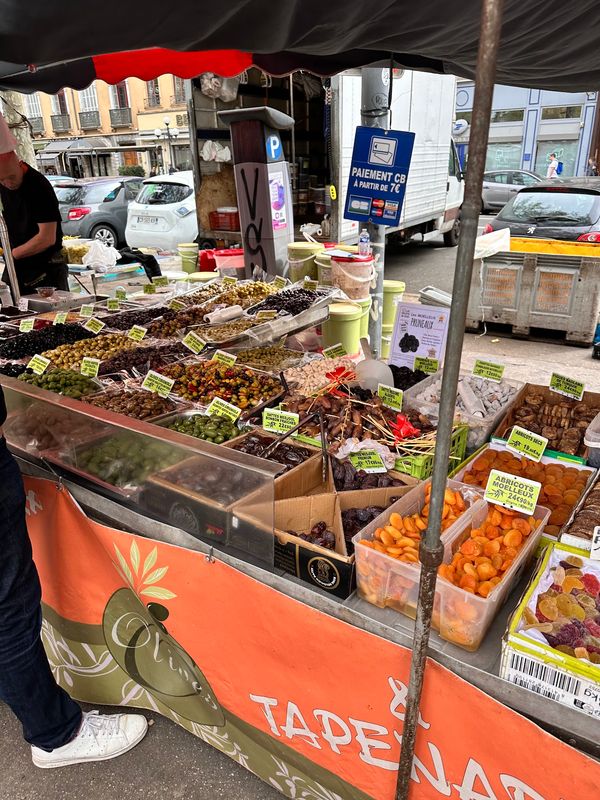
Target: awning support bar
431 551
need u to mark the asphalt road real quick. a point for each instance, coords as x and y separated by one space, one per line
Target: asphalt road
421 264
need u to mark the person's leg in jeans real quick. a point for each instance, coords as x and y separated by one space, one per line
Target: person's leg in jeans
52 722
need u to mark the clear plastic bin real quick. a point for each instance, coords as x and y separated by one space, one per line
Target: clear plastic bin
592 442
385 581
480 429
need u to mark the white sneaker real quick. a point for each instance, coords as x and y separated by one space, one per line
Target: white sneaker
100 738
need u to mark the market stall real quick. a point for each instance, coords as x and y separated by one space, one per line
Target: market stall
480 567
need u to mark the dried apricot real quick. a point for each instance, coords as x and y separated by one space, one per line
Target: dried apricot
486 571
513 538
396 521
548 608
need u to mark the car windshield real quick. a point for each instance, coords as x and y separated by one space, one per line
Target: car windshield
564 208
163 193
91 193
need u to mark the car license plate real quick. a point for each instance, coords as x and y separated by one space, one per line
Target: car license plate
147 220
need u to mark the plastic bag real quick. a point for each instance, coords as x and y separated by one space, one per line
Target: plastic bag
491 243
100 257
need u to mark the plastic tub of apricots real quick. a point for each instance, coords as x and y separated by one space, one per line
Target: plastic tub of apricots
488 552
387 549
563 482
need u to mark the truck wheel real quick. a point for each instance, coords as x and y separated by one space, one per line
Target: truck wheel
451 237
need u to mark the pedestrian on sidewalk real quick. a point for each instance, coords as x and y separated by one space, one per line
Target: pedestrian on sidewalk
54 725
591 170
552 171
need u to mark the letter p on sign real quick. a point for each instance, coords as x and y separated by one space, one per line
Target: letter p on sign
273 147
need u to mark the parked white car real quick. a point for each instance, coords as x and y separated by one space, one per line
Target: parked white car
163 214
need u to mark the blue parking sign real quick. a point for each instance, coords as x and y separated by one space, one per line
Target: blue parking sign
378 175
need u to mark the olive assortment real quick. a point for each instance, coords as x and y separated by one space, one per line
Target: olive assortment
62 381
169 325
125 461
205 380
150 356
48 338
209 428
137 403
287 454
105 346
14 370
126 319
290 301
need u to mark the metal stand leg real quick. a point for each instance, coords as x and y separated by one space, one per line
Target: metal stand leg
431 549
8 260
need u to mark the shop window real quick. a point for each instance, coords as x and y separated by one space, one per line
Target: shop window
503 155
566 151
509 115
561 112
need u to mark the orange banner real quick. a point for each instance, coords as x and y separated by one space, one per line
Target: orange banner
307 702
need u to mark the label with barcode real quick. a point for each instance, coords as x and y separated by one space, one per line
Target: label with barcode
550 681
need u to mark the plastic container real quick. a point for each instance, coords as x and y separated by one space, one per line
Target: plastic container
343 326
189 256
301 257
386 346
207 261
591 440
364 318
226 218
352 274
202 277
421 466
385 581
393 292
323 262
231 262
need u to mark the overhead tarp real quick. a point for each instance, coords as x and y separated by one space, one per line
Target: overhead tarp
48 44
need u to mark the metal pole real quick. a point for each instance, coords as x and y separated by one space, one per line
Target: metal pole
431 551
375 114
8 260
293 134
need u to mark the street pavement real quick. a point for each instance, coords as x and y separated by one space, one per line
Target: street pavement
171 763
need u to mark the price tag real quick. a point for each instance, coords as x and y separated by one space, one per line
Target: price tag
38 364
120 293
224 409
155 382
60 318
335 351
224 358
149 288
278 421
176 305
518 494
90 366
160 280
279 282
566 386
595 551
86 311
392 397
23 304
229 280
368 460
26 325
488 370
266 314
428 365
137 333
299 437
94 325
193 342
525 443
113 305
310 285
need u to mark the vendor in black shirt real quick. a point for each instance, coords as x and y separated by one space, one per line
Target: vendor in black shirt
33 221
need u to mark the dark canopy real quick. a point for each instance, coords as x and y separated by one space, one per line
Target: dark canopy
545 43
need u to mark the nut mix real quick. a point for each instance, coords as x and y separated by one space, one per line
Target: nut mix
172 322
62 381
312 376
105 346
563 423
204 381
225 330
242 294
138 404
288 455
201 295
562 486
28 344
270 357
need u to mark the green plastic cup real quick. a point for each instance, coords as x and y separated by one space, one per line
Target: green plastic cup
343 327
393 292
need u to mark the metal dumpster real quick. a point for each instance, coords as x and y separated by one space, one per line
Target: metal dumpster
539 284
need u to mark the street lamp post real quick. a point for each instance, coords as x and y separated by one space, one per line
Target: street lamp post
169 135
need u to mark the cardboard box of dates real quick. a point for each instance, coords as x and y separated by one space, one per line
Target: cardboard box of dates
313 534
561 420
552 645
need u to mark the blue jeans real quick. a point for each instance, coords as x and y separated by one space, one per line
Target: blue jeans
49 717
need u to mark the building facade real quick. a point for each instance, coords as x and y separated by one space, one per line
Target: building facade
527 125
100 129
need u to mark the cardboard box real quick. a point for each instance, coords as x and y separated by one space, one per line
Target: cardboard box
502 430
530 662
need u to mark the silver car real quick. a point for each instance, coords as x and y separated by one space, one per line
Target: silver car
500 185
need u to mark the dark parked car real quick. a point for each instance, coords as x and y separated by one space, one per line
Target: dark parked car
96 208
561 208
499 185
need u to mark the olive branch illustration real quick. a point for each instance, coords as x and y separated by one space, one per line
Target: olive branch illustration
143 582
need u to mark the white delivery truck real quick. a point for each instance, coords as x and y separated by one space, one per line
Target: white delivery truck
319 149
424 104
